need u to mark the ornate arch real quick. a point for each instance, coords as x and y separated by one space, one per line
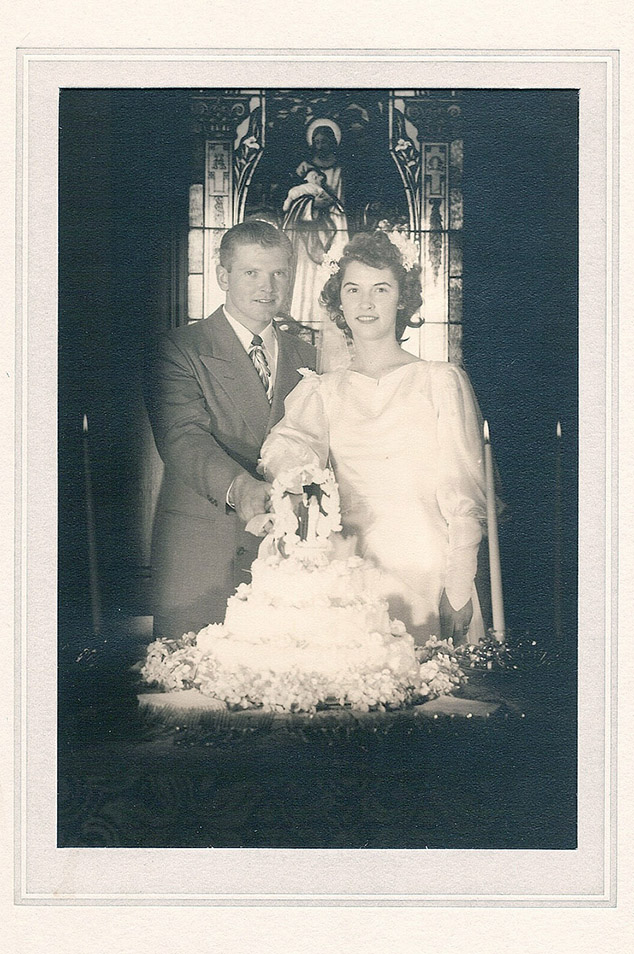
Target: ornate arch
247 144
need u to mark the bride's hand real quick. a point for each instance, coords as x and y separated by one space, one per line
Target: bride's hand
249 497
454 624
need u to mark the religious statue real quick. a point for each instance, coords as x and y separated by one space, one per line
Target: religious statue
315 216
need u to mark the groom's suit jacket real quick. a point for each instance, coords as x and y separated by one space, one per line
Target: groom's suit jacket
210 415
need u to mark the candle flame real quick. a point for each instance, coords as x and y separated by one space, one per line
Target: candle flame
84 425
558 428
487 438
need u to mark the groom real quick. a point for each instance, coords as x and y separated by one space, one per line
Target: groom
213 391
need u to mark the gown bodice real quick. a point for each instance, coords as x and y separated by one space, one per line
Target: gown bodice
407 453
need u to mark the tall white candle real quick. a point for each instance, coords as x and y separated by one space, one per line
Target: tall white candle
93 570
495 568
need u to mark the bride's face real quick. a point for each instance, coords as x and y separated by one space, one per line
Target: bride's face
369 301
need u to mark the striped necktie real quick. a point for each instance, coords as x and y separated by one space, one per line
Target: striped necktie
257 355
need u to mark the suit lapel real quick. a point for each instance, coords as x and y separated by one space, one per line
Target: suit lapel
286 376
233 371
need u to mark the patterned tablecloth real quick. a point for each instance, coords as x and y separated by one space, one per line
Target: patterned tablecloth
494 768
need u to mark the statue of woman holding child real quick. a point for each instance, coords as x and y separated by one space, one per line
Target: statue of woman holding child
315 217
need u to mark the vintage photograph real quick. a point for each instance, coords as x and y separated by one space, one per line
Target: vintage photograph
318 358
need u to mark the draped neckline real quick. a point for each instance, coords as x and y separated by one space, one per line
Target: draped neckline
386 374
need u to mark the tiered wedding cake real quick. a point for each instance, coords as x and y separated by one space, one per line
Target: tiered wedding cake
308 630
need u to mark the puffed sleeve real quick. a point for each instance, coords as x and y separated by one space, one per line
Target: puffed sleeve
301 439
461 491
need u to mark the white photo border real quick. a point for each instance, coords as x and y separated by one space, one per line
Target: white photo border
45 874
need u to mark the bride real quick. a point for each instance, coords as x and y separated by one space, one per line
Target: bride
403 436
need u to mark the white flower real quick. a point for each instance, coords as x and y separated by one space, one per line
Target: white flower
410 252
330 262
397 628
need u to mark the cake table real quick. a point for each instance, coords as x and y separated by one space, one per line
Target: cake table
492 768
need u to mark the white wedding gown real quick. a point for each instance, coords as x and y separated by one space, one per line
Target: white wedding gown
407 454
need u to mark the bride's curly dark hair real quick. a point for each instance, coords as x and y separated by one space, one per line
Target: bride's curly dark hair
376 250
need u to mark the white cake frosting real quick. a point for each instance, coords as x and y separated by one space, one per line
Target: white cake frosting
309 628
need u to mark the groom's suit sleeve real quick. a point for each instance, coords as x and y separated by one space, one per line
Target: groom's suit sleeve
182 424
205 441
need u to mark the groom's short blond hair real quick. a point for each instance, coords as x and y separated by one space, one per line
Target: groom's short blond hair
252 232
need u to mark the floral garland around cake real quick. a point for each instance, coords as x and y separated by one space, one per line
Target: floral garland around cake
181 664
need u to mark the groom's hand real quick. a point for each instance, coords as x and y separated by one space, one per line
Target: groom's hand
249 497
454 623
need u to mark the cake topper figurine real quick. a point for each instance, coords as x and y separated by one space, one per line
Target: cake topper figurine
312 524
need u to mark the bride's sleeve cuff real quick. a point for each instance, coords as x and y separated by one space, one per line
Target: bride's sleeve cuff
465 535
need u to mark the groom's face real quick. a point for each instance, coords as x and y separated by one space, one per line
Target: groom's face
256 283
